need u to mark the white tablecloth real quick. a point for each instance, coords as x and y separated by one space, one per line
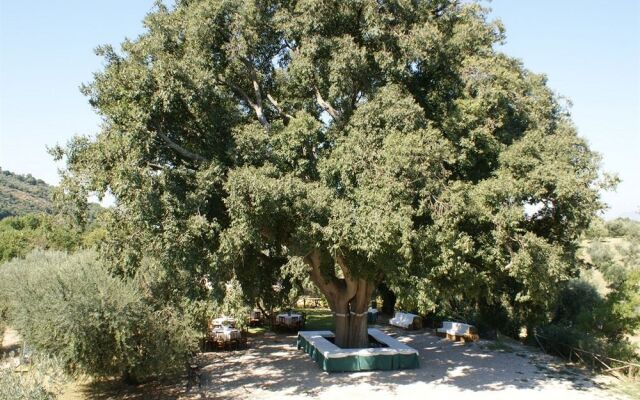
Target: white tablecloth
289 319
226 334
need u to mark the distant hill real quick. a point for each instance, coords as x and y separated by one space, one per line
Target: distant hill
23 194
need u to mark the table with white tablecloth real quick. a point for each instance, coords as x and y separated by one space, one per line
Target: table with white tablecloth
288 319
226 334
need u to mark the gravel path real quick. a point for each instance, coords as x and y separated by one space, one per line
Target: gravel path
274 369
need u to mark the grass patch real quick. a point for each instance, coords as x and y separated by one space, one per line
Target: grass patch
256 330
318 319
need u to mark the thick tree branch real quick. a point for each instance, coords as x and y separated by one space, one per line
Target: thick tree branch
351 283
335 114
179 149
328 287
256 106
238 91
259 109
277 106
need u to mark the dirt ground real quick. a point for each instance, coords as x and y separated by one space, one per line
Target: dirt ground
273 368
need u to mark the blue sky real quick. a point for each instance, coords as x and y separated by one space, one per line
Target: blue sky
589 49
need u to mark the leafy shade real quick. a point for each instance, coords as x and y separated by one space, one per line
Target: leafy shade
372 140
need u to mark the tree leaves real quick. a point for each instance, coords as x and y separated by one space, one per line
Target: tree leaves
239 136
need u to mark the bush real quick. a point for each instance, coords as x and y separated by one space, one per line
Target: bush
586 320
576 303
71 307
21 234
624 227
558 339
44 380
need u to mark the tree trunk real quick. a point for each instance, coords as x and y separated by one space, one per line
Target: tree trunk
350 316
348 299
388 299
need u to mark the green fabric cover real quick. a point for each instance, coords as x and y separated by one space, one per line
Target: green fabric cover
358 362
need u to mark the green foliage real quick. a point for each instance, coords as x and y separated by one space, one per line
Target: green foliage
71 307
23 194
601 322
370 140
20 235
624 227
234 303
597 229
44 380
618 228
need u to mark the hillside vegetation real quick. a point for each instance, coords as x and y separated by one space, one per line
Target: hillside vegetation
599 310
23 194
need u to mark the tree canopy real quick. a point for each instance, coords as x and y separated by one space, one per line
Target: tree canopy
356 141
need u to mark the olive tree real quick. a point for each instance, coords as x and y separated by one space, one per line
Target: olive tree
367 140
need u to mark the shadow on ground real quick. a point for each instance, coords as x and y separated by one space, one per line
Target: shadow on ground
274 368
114 389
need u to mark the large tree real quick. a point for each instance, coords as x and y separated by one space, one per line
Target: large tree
366 140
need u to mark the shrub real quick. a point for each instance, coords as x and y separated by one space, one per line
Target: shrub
44 380
624 227
586 320
234 303
71 307
576 303
21 234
